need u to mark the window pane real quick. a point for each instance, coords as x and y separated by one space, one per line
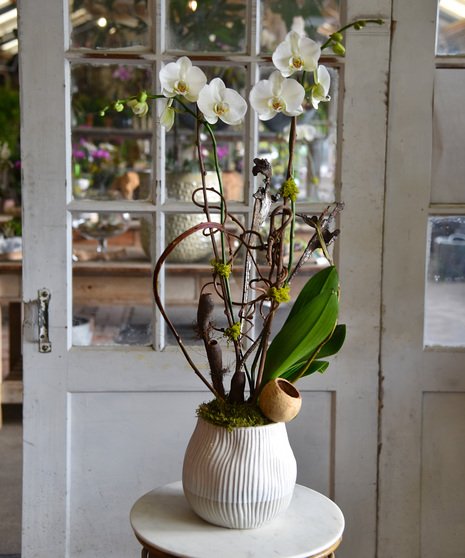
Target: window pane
112 280
111 153
316 18
182 166
103 24
451 27
206 25
445 287
315 150
448 163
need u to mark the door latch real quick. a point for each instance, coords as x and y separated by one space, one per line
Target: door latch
45 346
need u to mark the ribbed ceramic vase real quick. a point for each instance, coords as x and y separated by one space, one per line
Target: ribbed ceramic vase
240 479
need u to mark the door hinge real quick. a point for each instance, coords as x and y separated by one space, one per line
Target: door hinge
45 346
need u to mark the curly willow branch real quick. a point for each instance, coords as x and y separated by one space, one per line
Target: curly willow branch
202 226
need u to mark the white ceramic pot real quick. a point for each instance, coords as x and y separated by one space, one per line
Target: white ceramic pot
240 479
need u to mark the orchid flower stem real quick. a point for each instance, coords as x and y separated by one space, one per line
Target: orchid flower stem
329 42
291 243
223 213
292 135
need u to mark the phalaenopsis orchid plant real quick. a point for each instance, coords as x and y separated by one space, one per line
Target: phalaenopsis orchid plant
311 332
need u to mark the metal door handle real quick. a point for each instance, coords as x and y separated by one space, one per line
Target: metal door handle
45 346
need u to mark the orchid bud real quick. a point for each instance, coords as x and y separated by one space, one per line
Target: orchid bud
336 37
141 97
338 48
118 106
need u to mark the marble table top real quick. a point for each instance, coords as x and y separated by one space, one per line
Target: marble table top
162 519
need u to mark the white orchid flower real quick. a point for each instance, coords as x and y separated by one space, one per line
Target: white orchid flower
296 53
139 108
166 112
319 91
277 94
5 151
305 132
218 101
181 78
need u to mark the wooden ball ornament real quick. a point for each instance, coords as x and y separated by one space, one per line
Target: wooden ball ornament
280 401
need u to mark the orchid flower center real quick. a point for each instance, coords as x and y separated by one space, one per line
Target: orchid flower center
221 108
277 104
296 62
181 87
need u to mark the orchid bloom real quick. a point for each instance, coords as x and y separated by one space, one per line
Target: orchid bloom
183 79
138 107
296 53
277 94
166 112
319 91
217 101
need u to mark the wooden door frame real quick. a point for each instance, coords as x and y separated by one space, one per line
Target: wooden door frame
408 370
45 115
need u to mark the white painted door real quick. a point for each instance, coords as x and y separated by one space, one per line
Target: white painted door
422 452
105 424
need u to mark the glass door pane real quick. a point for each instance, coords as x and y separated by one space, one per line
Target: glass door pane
315 18
102 24
445 286
451 27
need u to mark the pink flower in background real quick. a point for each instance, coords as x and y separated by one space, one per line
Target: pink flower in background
123 73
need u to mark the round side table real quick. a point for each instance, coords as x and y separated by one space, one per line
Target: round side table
166 527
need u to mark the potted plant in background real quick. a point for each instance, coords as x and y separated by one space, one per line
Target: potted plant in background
10 165
239 470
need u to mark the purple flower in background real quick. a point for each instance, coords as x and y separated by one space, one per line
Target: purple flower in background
123 73
222 151
79 154
100 154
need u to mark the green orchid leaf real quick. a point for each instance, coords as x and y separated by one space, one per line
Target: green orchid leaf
334 344
302 369
325 279
301 336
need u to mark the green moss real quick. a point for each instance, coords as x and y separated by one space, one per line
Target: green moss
219 268
232 332
228 415
279 295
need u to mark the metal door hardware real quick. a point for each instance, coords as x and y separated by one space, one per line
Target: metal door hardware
45 346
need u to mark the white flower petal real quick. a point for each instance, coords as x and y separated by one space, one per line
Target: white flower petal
184 65
196 80
237 106
166 113
293 94
206 103
310 53
168 76
138 108
323 78
281 57
266 114
217 101
277 80
277 94
260 94
296 53
181 78
319 91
